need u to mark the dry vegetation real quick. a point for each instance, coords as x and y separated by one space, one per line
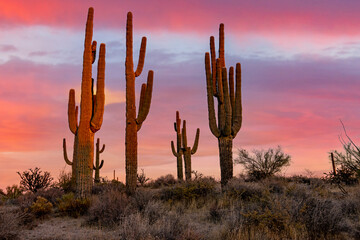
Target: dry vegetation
275 208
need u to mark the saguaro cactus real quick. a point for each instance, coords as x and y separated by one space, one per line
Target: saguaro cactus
178 152
98 165
188 151
91 112
133 123
229 103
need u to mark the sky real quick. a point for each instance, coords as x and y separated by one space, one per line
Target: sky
300 76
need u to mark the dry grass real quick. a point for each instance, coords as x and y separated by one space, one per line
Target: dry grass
278 208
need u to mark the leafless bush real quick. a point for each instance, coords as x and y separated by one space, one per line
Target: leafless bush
141 178
263 163
34 180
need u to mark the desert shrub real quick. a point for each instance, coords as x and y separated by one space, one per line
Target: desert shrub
343 175
169 227
71 206
263 163
9 223
33 180
105 186
238 189
12 194
154 210
50 194
189 190
64 181
41 207
274 221
141 198
167 180
108 208
323 218
141 178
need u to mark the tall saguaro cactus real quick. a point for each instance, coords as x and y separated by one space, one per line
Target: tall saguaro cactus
91 112
229 103
188 151
98 165
133 123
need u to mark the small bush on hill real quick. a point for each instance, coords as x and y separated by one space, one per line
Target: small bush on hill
34 180
71 206
263 163
41 207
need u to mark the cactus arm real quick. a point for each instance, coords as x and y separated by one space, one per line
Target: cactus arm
101 164
184 137
222 45
143 112
227 105
173 149
175 127
65 153
231 88
237 117
72 112
196 142
213 63
93 50
97 119
142 97
141 57
210 99
102 149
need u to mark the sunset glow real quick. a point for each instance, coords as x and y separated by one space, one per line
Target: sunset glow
300 75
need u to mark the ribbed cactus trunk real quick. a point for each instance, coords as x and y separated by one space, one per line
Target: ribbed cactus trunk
229 103
133 123
178 152
91 112
98 165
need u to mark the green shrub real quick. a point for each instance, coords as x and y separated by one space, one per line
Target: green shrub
71 206
41 207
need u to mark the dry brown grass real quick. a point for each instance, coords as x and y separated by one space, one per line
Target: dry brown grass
278 208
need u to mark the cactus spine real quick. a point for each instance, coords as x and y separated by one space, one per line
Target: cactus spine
229 103
98 165
178 152
188 151
133 123
91 112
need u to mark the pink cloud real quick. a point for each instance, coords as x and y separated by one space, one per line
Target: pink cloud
189 16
